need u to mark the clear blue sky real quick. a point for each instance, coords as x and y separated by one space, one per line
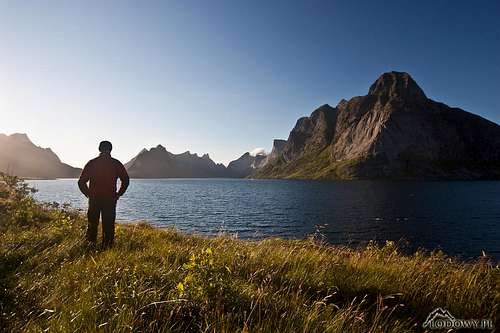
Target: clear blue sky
225 77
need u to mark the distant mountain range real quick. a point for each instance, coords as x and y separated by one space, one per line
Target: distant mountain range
393 132
20 157
160 163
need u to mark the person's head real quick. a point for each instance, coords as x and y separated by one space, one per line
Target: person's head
105 147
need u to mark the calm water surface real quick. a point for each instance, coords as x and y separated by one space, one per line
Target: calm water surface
461 218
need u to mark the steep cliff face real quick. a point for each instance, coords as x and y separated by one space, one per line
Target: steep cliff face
394 131
310 133
160 163
245 165
20 157
278 147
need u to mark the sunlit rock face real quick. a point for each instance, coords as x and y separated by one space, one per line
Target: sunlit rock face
394 131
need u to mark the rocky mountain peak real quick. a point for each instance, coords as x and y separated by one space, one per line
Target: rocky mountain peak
394 132
246 164
21 137
325 107
160 163
160 147
21 157
278 145
396 85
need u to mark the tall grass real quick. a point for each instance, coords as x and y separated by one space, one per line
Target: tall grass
161 280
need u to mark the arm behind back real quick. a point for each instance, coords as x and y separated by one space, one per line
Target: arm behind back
124 179
84 178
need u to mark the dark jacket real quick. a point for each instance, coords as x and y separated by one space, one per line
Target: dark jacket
103 172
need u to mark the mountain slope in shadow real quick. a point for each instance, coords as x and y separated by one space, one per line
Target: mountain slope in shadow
160 163
20 157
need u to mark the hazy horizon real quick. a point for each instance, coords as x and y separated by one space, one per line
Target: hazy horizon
228 77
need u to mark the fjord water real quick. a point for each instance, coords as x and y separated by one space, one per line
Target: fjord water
461 218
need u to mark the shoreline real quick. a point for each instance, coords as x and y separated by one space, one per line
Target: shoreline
156 279
212 278
360 246
327 180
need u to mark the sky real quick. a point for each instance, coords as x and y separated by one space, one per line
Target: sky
226 77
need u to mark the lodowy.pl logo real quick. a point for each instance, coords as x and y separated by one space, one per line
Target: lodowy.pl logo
442 319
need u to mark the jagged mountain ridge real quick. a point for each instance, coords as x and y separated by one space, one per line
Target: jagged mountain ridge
394 131
160 163
21 157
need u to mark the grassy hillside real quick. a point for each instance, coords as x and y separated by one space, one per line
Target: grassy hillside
314 165
161 280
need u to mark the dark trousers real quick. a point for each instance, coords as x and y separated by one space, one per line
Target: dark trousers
106 208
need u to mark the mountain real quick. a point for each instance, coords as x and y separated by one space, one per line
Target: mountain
245 165
395 132
160 163
248 164
278 146
20 157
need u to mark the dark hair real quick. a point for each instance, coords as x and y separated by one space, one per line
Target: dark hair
105 147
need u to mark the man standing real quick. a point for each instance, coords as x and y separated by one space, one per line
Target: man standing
103 172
